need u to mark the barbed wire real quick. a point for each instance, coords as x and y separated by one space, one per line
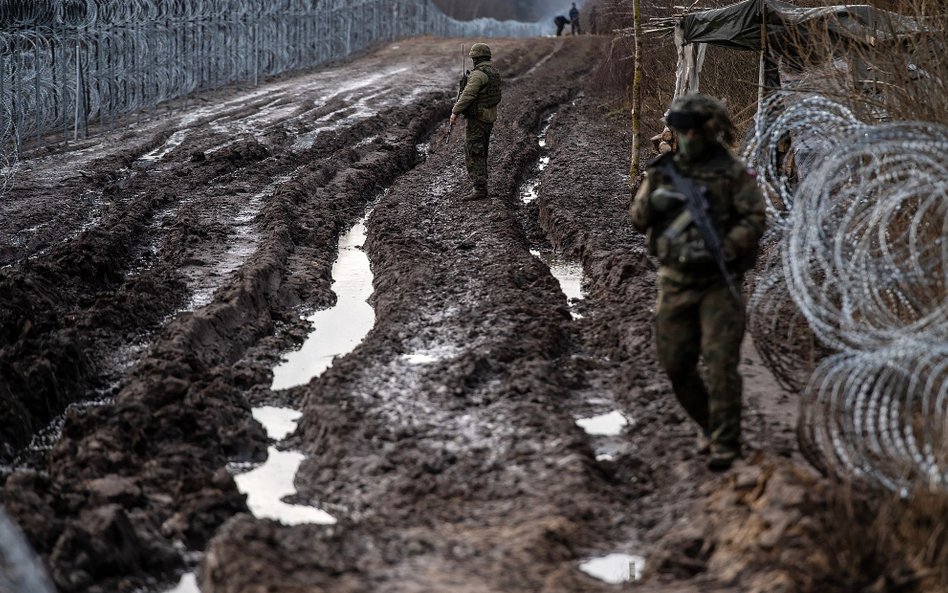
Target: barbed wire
66 63
857 263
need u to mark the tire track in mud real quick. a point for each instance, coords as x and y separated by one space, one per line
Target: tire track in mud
129 481
442 444
165 226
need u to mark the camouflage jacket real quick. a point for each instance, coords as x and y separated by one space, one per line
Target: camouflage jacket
480 97
736 208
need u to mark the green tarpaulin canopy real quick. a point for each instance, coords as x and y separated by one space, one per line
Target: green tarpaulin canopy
738 26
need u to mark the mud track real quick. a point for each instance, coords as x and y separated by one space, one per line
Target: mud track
154 275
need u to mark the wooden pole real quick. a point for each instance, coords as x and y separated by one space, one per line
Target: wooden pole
762 75
636 93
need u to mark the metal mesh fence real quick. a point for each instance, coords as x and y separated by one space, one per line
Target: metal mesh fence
67 63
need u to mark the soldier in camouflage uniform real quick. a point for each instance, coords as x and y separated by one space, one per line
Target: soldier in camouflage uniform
478 103
697 314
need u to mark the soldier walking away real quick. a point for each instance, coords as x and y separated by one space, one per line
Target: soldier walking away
560 22
704 216
478 103
574 20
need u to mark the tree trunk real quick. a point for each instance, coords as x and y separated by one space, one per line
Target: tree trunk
636 93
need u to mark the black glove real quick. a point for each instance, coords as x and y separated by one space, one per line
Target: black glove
664 200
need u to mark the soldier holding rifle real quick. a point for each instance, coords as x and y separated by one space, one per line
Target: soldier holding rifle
704 216
478 102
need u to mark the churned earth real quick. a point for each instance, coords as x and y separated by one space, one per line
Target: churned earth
489 434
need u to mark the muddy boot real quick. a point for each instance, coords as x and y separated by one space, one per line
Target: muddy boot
475 194
722 458
703 443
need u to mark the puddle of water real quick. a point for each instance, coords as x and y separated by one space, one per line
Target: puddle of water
187 584
615 568
541 137
431 355
423 150
568 274
420 358
570 277
174 141
531 188
607 425
267 485
278 422
339 329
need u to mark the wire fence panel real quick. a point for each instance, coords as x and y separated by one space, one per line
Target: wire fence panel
65 64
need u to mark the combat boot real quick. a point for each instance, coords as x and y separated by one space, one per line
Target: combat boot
475 194
703 442
722 458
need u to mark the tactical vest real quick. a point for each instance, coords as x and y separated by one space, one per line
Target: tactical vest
489 96
674 240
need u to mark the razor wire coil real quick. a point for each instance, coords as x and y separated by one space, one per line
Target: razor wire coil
857 264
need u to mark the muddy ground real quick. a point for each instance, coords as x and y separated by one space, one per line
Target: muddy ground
153 275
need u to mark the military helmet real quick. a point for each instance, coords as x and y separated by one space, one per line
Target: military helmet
701 112
480 50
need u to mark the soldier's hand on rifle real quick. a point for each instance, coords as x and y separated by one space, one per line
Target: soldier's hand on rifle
664 200
727 246
454 118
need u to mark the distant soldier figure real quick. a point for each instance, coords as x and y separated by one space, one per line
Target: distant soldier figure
700 310
560 22
574 20
593 18
478 103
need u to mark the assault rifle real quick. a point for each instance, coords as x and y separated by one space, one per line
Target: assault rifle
465 76
696 203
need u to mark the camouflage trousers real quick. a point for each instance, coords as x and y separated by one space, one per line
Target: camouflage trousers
476 141
705 321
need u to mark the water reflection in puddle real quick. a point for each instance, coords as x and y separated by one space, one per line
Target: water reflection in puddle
267 485
278 422
339 329
431 355
531 188
187 584
568 274
615 568
610 424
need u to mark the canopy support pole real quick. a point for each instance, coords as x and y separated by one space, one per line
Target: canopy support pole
762 76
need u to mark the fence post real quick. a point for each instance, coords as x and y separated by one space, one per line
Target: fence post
75 129
36 90
17 101
3 102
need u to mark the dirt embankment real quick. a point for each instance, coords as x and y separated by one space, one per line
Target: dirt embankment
446 444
